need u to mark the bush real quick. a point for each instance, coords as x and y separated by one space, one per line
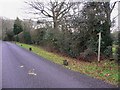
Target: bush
115 52
27 37
118 54
108 51
88 55
17 38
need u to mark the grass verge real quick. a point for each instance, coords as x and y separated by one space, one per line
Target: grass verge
105 70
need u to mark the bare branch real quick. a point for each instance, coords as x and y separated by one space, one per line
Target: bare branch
65 10
113 6
40 7
56 10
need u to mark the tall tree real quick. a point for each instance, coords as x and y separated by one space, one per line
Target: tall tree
97 15
17 26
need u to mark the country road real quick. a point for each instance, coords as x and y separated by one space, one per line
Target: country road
24 69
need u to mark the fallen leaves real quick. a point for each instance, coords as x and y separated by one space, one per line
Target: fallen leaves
32 72
107 75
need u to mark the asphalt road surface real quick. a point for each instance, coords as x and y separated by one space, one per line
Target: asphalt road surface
24 69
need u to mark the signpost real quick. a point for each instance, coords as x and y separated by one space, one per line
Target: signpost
99 46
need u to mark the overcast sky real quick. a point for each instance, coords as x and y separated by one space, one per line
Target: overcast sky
16 8
12 8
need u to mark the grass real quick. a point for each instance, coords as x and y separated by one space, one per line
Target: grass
105 70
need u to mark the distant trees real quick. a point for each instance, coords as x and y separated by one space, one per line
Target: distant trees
22 30
9 35
17 26
74 27
7 29
27 37
27 27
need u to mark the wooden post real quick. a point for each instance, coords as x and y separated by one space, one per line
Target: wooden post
99 46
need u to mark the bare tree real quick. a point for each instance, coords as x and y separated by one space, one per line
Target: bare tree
7 27
54 9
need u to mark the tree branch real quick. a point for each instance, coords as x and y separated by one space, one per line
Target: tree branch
113 6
